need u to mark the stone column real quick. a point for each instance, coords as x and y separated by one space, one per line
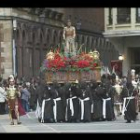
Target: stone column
6 46
114 17
133 18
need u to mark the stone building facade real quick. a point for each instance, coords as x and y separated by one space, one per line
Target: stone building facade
122 28
26 34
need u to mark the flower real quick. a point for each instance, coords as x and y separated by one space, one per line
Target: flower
57 63
95 64
81 62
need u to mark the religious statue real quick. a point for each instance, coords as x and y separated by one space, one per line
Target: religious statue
69 35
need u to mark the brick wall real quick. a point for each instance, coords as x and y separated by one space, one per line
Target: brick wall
91 18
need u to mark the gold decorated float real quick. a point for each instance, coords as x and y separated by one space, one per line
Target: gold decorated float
82 67
70 76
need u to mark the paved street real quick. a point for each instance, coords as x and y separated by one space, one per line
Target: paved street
31 125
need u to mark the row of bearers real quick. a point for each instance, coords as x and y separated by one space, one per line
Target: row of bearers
83 102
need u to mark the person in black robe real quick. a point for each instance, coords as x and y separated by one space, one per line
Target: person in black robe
33 97
85 98
111 93
39 93
48 104
108 104
93 86
72 103
44 110
113 79
58 104
97 108
62 91
129 104
106 78
107 97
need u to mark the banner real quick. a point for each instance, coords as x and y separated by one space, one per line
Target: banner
117 66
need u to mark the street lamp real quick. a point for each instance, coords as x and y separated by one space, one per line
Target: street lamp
121 57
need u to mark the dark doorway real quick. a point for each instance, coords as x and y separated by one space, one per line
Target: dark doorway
135 59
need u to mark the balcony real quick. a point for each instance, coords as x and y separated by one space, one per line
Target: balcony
123 18
122 23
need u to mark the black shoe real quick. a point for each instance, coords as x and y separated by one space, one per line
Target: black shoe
134 120
12 123
18 122
77 121
128 122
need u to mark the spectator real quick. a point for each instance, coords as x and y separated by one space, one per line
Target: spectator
2 100
25 95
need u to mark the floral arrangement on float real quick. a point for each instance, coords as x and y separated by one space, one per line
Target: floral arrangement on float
83 66
56 61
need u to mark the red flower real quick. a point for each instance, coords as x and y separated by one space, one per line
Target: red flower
95 64
83 63
57 63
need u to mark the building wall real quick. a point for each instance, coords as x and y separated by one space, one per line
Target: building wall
33 40
40 15
123 44
123 36
6 47
92 19
132 26
37 33
5 11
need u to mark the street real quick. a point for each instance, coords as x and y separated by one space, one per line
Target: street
30 124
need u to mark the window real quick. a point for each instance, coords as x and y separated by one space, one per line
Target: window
110 16
123 15
137 14
135 57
